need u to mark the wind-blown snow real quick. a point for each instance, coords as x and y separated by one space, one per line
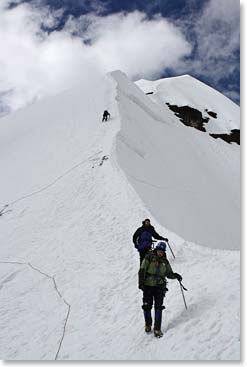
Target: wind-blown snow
68 269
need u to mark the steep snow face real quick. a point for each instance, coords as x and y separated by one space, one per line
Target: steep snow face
32 139
189 181
188 91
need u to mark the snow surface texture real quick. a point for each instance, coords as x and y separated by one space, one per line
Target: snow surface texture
68 269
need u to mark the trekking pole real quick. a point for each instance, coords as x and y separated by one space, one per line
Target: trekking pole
171 249
182 290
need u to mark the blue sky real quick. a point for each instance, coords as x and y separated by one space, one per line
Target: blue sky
50 45
170 8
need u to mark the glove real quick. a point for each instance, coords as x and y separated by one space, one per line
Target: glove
141 287
178 277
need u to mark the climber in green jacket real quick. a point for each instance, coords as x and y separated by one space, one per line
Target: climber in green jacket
154 270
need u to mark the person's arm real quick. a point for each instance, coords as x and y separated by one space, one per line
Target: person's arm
136 235
157 236
170 274
142 273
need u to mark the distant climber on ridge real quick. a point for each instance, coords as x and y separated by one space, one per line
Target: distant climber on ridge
152 281
142 238
106 115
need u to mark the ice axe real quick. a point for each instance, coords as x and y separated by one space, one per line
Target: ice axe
182 287
153 242
170 249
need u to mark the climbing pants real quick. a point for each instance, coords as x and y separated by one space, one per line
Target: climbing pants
153 295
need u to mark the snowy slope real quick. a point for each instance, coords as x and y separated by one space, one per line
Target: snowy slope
68 269
188 91
188 180
44 140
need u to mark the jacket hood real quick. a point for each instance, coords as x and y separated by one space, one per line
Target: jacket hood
143 222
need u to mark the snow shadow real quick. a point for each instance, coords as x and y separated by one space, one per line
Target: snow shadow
194 311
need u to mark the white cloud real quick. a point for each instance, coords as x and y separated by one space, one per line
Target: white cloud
35 63
134 44
216 33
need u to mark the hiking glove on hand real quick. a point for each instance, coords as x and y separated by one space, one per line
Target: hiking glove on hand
178 277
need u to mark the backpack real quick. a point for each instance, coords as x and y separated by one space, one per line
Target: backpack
144 241
150 257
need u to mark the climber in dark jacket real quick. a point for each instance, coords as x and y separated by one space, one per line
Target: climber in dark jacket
153 272
106 115
142 238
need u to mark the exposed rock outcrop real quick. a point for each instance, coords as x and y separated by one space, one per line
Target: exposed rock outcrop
233 137
211 113
192 117
189 116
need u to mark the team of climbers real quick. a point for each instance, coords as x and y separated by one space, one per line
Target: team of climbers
154 269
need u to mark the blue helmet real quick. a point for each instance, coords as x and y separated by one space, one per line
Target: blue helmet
161 246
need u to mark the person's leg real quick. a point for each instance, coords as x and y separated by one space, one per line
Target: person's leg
142 255
158 307
147 306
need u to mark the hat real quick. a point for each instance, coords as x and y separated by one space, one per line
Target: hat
161 246
146 220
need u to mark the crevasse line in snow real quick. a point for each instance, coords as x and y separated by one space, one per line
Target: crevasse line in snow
4 211
50 184
57 291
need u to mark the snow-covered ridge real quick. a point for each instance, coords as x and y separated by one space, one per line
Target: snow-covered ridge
187 91
71 215
189 181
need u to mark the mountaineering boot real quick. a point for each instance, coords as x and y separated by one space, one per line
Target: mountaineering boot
147 315
158 333
158 319
148 328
